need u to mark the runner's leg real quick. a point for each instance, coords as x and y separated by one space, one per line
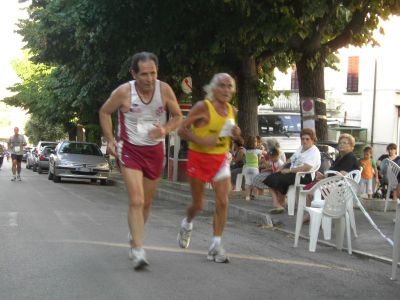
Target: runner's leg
149 187
221 189
134 184
197 188
18 167
14 166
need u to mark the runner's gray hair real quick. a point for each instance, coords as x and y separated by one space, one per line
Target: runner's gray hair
209 88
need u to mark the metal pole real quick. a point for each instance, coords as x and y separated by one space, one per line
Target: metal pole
396 246
177 146
373 104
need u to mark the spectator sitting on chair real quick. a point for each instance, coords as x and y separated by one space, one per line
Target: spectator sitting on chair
345 163
271 164
306 158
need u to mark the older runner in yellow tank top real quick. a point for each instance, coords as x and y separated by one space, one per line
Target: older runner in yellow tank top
209 128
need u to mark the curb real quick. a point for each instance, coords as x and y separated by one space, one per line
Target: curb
240 213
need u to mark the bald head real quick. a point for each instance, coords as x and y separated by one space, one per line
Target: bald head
16 130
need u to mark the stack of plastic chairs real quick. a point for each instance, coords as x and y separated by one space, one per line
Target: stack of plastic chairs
318 202
337 192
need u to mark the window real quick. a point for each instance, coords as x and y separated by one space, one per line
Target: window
277 125
352 74
294 81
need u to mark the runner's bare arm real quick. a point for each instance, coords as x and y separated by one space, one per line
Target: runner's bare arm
116 100
197 117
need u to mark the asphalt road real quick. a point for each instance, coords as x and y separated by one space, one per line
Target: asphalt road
68 241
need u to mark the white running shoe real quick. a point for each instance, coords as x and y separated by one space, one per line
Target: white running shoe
19 177
14 178
217 254
184 237
139 258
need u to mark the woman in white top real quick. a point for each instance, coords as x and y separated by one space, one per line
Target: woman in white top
305 158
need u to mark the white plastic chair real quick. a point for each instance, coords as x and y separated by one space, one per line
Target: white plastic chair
318 202
293 191
337 193
239 181
391 175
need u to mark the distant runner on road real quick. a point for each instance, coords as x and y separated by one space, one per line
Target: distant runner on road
142 106
16 144
209 128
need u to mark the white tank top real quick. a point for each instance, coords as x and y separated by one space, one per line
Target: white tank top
135 124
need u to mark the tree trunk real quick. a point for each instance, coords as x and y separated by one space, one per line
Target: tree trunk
311 85
248 97
201 76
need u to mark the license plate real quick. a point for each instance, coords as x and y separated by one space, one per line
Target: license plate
83 169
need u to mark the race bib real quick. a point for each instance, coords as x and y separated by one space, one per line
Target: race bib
146 124
17 148
227 128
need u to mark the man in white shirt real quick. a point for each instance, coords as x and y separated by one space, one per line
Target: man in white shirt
16 144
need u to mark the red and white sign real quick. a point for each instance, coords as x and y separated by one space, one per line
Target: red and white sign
186 85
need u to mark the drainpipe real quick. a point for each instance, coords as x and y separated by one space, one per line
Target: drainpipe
373 105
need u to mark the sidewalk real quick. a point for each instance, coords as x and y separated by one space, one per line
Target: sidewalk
368 244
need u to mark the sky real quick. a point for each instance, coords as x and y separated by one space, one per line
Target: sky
11 42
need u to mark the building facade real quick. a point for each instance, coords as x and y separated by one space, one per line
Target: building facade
365 91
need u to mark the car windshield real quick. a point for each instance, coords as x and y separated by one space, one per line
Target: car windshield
80 148
275 125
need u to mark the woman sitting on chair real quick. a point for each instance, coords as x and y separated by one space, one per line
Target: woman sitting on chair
346 161
306 158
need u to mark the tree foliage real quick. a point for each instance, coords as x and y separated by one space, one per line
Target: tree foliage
41 130
86 44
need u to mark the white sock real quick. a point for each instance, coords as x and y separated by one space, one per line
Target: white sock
216 241
186 225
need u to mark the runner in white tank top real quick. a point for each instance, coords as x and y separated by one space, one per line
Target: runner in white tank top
142 106
135 124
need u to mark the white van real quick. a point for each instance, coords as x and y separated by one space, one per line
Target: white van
282 125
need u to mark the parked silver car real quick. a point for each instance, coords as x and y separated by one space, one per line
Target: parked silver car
30 160
39 147
78 160
42 161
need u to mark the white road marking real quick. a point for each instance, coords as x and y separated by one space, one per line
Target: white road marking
203 253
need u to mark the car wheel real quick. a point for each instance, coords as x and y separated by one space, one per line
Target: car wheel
34 168
39 170
50 175
103 181
93 180
55 177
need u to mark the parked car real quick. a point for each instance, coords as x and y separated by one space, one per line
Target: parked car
39 147
78 160
30 160
283 126
26 152
42 162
